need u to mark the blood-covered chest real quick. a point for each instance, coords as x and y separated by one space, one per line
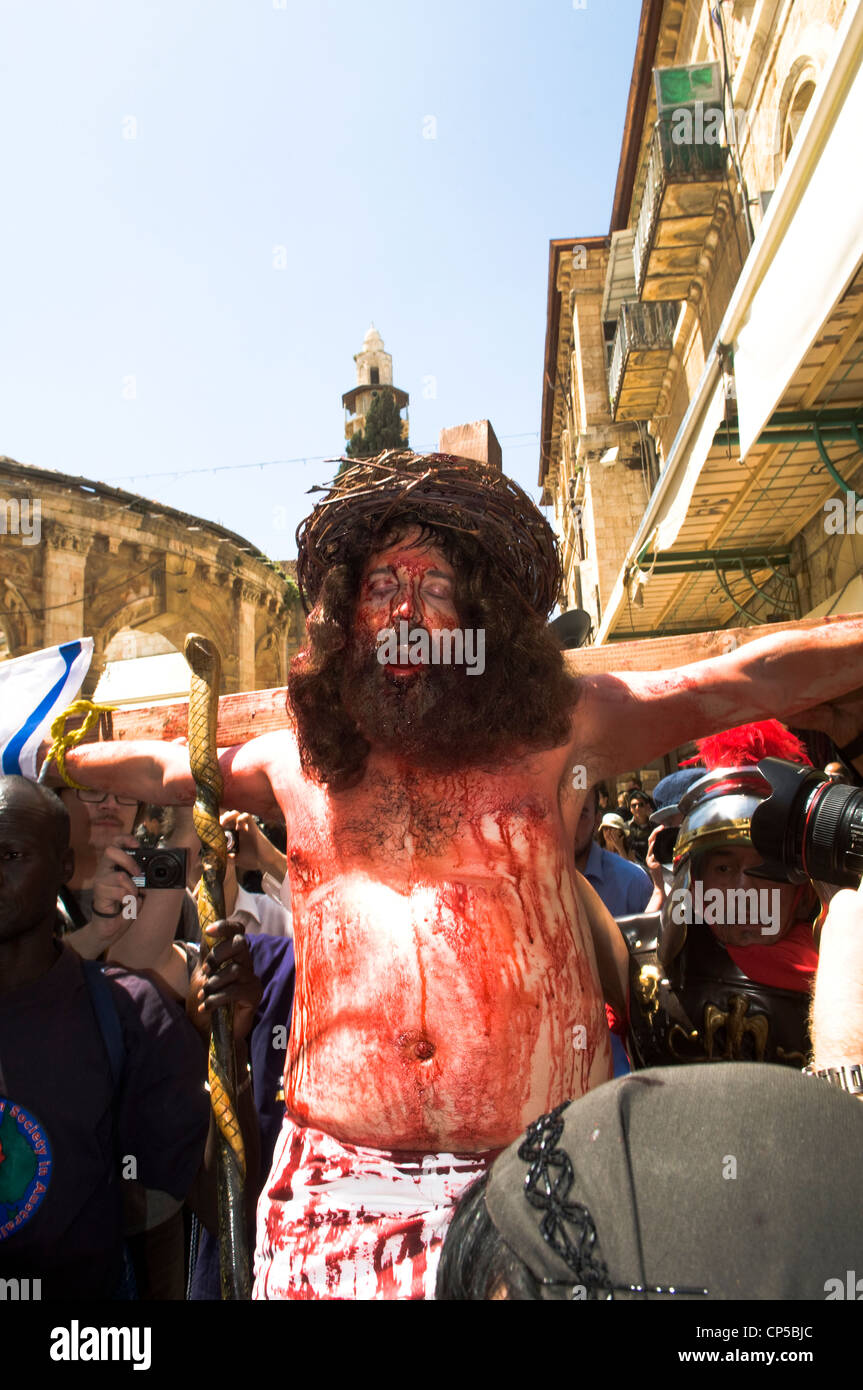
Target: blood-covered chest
473 822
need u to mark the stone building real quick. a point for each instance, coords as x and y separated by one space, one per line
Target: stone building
702 414
374 370
79 558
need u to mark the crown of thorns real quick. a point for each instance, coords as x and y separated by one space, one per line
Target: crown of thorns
439 490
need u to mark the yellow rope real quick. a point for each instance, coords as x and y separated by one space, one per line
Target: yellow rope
62 741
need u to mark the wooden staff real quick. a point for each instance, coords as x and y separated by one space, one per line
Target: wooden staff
205 663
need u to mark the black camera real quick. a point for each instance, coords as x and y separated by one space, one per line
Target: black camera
160 868
809 826
663 845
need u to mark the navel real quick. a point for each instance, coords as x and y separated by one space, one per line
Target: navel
416 1044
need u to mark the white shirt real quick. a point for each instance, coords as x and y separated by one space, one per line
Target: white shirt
258 912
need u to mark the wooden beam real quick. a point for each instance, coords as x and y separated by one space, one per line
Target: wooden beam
241 717
245 715
662 653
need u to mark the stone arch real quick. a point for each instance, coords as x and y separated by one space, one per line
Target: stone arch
111 560
17 620
148 614
132 615
136 614
128 641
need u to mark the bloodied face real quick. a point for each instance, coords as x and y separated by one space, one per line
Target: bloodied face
409 581
407 587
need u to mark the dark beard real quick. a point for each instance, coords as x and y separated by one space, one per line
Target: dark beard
427 717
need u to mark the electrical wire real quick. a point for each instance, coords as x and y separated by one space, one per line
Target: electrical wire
532 436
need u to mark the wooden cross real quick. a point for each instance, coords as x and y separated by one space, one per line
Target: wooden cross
244 715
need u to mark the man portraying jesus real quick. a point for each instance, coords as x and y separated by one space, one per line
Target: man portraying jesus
452 966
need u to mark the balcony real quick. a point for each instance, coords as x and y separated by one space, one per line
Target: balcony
642 347
685 174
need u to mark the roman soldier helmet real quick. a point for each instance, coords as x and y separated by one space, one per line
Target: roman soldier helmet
717 809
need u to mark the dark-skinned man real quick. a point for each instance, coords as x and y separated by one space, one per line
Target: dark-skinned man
69 1131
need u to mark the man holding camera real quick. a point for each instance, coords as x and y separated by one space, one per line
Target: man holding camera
96 820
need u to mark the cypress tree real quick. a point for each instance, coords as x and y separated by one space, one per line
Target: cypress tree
383 428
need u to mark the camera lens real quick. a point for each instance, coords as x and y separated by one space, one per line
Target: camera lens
162 871
809 827
832 835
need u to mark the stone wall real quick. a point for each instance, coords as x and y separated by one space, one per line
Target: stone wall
105 560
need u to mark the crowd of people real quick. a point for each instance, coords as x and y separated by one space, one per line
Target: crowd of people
123 1013
481 947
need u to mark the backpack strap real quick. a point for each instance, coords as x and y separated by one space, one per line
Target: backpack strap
111 1029
106 1016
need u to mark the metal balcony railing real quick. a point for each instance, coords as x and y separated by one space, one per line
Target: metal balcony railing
673 160
640 327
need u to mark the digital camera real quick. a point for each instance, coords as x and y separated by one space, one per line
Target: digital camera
159 868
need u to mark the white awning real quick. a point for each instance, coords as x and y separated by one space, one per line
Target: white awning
701 442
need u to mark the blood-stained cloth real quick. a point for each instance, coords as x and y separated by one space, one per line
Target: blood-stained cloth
338 1221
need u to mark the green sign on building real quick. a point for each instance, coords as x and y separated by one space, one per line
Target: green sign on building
685 86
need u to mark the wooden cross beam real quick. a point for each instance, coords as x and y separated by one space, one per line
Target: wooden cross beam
244 715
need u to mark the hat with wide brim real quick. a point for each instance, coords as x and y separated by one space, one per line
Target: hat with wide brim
717 1181
440 490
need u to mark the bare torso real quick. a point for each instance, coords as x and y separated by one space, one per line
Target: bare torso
447 989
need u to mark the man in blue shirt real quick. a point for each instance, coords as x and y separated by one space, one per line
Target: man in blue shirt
624 887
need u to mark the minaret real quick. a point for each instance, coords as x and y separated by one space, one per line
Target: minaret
374 369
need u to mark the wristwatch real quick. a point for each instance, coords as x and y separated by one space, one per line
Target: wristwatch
848 1076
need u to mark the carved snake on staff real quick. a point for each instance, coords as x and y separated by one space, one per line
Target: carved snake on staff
203 659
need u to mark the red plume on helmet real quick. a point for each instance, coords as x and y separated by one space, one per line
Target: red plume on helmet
746 745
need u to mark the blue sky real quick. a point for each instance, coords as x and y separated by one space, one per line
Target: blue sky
154 157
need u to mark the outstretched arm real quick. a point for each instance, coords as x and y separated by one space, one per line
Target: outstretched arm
160 772
626 720
152 771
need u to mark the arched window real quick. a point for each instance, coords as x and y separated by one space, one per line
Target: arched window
797 109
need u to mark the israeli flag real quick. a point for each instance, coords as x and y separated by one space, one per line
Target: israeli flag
34 689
